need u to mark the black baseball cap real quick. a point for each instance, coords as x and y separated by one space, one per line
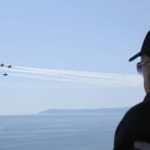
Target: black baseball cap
145 50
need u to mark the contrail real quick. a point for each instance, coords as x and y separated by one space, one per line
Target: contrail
81 77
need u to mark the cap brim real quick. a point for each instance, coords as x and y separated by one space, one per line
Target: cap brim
135 56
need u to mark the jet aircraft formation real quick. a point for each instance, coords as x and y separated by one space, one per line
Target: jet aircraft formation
3 65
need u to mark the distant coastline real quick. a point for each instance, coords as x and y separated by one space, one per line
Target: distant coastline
100 110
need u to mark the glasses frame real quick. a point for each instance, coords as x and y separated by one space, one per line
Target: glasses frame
140 65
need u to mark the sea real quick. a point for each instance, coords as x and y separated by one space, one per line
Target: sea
59 131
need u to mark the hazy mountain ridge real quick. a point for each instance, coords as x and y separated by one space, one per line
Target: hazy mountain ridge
103 110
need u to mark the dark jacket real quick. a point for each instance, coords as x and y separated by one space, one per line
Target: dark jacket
135 126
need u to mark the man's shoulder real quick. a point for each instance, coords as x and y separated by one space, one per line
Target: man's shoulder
139 110
137 117
134 125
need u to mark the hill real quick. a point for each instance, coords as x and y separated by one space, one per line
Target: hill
100 110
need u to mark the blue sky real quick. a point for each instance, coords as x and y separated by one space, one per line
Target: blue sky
80 37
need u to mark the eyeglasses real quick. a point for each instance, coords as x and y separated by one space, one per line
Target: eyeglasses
139 66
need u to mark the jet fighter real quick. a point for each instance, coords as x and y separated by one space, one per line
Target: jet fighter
9 66
5 74
2 65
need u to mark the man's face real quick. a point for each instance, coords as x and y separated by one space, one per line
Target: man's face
146 73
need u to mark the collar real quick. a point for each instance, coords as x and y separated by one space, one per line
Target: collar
147 97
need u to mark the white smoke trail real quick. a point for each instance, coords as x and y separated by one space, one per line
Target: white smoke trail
79 77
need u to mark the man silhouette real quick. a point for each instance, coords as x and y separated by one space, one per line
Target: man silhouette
133 132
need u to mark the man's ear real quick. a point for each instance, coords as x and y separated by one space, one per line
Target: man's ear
148 64
148 68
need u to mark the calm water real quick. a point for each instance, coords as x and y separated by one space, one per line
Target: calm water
82 131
